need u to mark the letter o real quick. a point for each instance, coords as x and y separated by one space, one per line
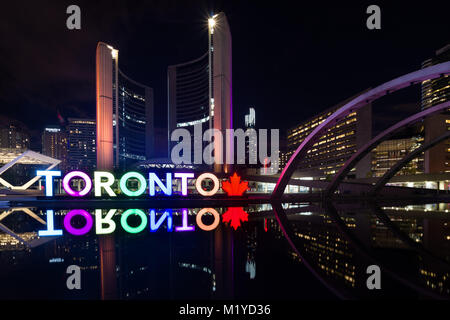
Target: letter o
82 175
128 192
75 231
198 184
200 223
126 226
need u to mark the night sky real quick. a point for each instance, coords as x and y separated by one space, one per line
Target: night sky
290 59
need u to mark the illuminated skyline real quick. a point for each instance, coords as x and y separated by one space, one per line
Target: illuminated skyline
276 51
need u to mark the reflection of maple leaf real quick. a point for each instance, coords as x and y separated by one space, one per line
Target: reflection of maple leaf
235 215
235 187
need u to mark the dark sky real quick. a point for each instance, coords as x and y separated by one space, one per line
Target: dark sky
290 59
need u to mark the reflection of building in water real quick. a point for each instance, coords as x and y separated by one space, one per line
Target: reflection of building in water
436 239
251 244
9 242
432 232
201 264
382 236
174 265
34 265
250 268
202 269
80 251
18 229
158 264
330 251
323 245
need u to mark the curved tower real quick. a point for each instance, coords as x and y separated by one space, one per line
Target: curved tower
200 91
124 114
188 88
124 135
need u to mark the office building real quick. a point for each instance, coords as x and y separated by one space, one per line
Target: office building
199 91
81 145
124 113
54 145
336 146
251 147
434 92
13 136
389 152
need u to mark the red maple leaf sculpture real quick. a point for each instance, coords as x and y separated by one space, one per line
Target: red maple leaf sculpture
235 215
235 187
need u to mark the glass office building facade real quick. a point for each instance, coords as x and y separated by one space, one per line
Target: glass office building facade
188 99
331 151
389 152
54 144
133 139
81 144
434 92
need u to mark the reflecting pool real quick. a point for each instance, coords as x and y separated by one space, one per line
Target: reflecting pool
262 251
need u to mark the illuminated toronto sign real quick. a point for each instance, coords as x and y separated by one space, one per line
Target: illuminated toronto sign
103 181
102 184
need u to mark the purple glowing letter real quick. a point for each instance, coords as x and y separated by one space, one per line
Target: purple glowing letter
185 226
78 232
82 175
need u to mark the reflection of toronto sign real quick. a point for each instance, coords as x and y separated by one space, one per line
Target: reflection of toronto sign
104 224
102 183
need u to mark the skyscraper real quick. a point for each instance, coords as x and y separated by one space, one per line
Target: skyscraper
54 145
251 147
200 91
434 92
124 113
13 136
81 144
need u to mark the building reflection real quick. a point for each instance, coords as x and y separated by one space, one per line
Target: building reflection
221 264
331 252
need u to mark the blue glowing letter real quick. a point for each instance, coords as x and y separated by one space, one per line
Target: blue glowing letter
48 174
154 226
50 227
167 189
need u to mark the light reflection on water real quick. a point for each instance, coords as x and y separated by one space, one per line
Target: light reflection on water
327 257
